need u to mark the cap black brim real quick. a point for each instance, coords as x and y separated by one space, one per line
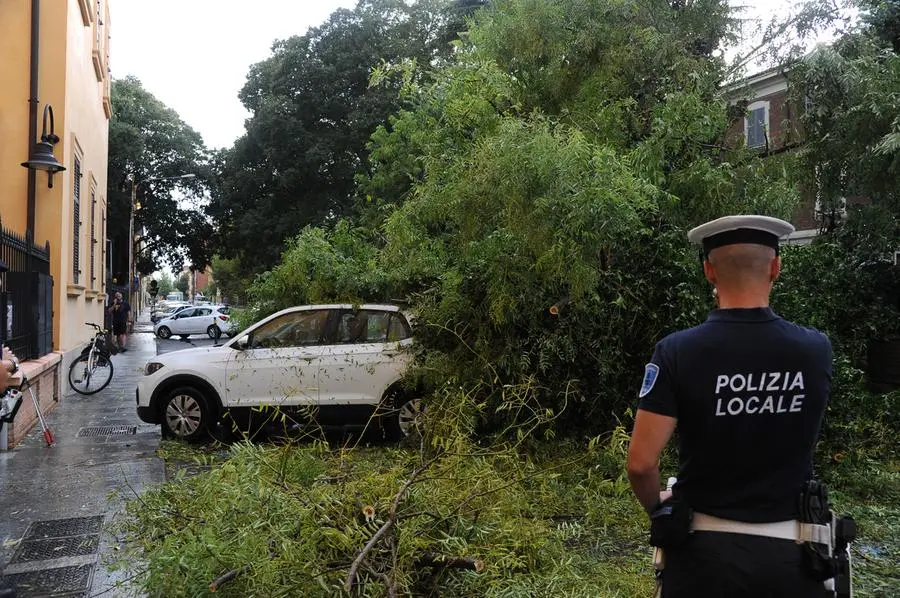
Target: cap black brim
740 235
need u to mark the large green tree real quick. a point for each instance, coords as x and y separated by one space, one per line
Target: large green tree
557 161
312 112
148 142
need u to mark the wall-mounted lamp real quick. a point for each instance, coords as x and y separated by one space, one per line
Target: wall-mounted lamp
41 156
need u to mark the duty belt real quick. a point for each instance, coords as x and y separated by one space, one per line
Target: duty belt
786 530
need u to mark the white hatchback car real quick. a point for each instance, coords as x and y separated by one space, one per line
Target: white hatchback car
338 364
212 320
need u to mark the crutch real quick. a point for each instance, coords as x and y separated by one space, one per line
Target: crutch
45 430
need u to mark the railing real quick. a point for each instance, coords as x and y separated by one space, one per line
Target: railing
26 300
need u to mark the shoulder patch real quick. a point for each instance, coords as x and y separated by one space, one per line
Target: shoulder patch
651 372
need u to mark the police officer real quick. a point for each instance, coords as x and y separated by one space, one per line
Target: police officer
747 391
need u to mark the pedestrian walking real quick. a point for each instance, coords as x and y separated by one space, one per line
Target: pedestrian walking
747 392
120 311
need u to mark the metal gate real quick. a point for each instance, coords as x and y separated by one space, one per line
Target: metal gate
26 300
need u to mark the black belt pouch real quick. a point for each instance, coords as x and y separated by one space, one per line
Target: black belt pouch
670 523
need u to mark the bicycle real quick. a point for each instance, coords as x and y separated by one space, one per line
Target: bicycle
93 366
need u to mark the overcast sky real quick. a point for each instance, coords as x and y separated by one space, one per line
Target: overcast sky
194 55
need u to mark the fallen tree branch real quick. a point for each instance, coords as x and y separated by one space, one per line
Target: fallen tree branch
430 559
386 527
354 567
226 577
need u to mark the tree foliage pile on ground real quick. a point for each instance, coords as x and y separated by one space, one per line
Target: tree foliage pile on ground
507 521
292 520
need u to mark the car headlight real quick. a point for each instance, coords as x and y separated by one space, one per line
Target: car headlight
152 367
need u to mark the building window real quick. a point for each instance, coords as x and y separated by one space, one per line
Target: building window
756 125
93 233
76 223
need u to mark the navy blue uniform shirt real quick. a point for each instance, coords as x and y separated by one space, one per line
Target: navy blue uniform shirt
749 390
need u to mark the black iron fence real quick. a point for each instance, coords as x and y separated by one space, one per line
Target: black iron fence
26 300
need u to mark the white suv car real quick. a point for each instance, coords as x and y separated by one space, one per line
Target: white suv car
212 320
340 363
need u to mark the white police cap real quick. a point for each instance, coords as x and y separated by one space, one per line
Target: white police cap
730 230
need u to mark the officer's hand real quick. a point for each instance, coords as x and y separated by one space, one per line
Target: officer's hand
665 495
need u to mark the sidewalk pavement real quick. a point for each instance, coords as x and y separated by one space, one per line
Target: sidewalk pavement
60 496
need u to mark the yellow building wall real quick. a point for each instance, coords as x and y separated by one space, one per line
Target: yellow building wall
15 48
69 82
86 132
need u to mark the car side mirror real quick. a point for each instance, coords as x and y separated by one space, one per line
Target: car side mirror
242 344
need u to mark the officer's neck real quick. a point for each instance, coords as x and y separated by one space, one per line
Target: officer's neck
743 299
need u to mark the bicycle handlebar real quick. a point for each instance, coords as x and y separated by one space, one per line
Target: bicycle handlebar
97 326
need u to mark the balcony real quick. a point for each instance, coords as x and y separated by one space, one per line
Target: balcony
107 105
99 67
86 12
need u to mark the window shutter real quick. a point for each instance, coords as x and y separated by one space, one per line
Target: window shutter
76 224
93 233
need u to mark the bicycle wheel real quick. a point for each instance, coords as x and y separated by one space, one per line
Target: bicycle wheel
88 376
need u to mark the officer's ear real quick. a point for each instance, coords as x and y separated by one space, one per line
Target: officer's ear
775 268
709 271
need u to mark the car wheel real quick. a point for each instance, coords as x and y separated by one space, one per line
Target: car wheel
213 331
404 418
163 332
185 414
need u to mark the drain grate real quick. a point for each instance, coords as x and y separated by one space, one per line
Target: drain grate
96 431
60 528
45 549
61 581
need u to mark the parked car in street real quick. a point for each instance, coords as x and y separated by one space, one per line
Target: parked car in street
162 314
210 320
339 364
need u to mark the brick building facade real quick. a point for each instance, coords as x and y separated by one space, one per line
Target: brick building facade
766 119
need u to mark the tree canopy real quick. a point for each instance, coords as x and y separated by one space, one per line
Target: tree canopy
852 121
312 112
147 141
556 160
